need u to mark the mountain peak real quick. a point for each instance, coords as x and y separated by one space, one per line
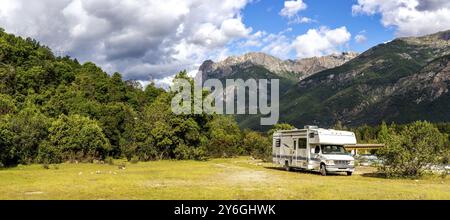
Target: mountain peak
293 69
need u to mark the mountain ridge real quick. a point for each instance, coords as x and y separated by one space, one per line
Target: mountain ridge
291 69
401 81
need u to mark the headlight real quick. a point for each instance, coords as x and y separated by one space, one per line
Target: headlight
351 163
329 162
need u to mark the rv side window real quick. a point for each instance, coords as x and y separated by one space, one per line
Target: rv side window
277 143
302 143
317 150
311 135
295 145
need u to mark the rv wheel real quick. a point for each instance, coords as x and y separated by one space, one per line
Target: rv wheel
286 166
349 173
323 170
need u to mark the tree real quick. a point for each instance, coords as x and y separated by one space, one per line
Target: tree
113 118
7 156
27 130
409 152
30 127
152 92
224 137
383 134
74 138
257 145
54 109
6 104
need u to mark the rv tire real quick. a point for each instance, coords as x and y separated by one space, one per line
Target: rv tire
323 170
286 166
349 173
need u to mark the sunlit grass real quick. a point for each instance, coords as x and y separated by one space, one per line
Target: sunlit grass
238 178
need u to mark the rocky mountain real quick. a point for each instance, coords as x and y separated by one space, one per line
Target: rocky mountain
401 81
295 70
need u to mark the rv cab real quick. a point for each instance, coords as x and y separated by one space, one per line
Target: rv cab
314 149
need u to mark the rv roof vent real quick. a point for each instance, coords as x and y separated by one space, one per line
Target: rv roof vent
311 127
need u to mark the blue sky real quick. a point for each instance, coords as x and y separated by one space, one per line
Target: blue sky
265 15
151 40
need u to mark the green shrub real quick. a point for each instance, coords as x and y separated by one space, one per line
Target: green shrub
183 152
7 104
109 160
408 152
200 154
26 131
134 160
6 146
46 166
75 138
49 153
257 145
224 137
143 150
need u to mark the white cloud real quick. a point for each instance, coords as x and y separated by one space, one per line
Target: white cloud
315 42
235 28
320 42
292 7
143 39
409 17
254 40
360 38
301 20
277 45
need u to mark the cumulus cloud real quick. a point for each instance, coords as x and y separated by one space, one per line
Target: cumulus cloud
315 42
301 20
277 45
360 38
143 39
292 7
254 40
431 5
320 42
409 17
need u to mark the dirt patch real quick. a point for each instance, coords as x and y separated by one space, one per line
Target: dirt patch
248 177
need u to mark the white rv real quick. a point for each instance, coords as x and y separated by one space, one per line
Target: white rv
314 149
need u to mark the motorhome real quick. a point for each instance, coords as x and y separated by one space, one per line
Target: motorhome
314 149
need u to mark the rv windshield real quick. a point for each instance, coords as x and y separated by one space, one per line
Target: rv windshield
333 149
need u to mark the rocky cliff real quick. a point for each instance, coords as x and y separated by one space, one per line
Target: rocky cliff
291 69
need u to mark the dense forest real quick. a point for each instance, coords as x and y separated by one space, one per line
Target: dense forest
54 109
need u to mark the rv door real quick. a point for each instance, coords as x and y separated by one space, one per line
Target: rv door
315 154
302 151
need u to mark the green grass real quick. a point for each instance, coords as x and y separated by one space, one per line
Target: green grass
238 178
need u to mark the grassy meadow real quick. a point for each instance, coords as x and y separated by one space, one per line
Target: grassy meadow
238 178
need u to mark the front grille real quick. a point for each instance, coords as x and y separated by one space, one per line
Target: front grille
341 162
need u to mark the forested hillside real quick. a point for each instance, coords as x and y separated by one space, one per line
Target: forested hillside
54 109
